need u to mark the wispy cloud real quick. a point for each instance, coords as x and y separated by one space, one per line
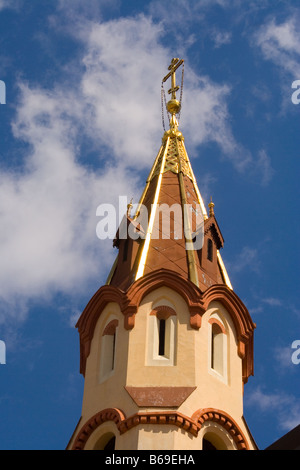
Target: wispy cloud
285 406
280 43
4 4
48 205
272 301
13 4
247 258
221 38
283 358
264 167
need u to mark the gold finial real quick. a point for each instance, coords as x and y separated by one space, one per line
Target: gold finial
211 208
129 207
173 106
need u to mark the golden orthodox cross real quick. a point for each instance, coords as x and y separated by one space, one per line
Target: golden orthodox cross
175 63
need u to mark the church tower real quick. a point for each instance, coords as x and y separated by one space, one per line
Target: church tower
166 345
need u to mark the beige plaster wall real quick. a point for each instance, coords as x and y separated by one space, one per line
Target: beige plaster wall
191 368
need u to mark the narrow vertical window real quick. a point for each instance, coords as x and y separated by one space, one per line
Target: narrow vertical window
161 342
209 250
217 359
113 351
161 337
108 350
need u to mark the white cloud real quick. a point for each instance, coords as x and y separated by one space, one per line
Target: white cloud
280 43
48 206
285 406
283 357
124 63
4 4
221 38
272 301
9 4
264 167
247 258
48 211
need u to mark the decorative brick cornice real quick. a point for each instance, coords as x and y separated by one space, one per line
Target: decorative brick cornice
125 424
211 225
166 278
161 417
217 322
171 418
110 328
163 312
109 414
197 303
242 321
225 421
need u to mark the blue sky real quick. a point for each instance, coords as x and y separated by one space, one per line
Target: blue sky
82 125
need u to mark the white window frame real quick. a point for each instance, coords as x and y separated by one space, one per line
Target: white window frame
153 358
108 349
224 375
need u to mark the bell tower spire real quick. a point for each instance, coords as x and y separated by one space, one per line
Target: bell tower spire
171 208
166 345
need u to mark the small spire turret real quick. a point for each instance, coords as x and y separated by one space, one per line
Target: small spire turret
211 208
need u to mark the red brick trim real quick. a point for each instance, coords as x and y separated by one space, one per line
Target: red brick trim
125 424
166 278
161 417
217 322
191 425
197 302
110 328
163 312
224 420
109 414
242 321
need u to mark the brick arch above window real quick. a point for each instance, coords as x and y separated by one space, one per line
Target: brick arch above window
191 424
163 312
225 421
197 302
110 328
215 321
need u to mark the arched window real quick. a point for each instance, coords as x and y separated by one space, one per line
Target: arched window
218 347
213 441
108 349
162 336
110 444
106 442
207 445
